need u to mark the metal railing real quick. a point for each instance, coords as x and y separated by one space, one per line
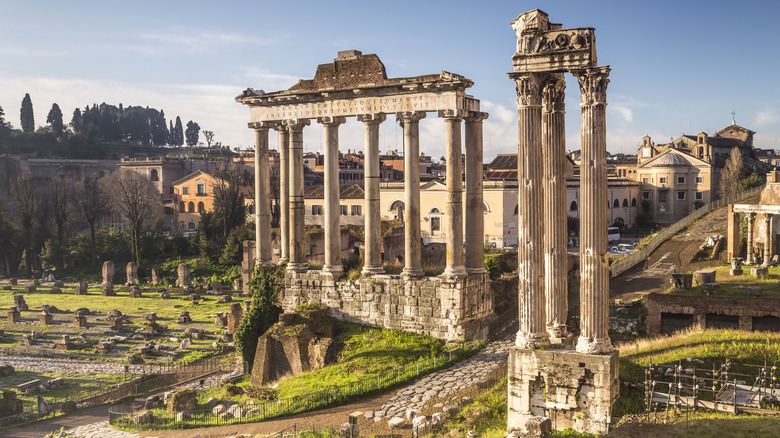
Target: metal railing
632 259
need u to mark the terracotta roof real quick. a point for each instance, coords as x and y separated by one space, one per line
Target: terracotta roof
346 191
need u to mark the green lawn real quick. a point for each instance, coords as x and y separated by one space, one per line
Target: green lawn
729 284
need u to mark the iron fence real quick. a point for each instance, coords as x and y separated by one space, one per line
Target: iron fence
632 259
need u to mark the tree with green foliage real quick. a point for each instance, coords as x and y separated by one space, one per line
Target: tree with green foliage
26 113
77 122
209 135
731 174
178 137
192 133
54 119
264 312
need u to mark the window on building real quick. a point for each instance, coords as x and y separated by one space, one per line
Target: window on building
699 196
357 210
699 180
182 208
181 225
155 176
646 180
343 210
316 210
680 180
170 190
573 206
191 225
662 180
622 173
625 202
191 207
201 189
645 195
680 196
662 196
616 204
201 207
633 202
435 224
185 190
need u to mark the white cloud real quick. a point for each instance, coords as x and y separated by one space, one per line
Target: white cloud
765 117
163 43
623 111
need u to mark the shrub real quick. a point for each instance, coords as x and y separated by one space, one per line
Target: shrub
263 313
493 267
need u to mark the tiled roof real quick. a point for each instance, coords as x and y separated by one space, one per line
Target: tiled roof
346 191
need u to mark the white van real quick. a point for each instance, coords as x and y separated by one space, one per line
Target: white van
613 234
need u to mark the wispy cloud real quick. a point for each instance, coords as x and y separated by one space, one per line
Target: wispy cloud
624 112
161 43
766 117
18 51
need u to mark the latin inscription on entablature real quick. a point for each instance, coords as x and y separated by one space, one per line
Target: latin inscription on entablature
366 105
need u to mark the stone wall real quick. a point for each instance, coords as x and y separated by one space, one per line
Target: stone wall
450 310
434 254
744 308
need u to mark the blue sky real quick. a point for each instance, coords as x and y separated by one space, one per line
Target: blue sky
676 66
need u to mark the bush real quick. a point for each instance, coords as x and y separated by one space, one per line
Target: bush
493 267
264 312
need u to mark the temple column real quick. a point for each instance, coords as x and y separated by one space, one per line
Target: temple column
332 227
412 244
594 265
298 260
767 239
372 259
454 204
749 256
530 215
262 195
554 183
475 216
284 193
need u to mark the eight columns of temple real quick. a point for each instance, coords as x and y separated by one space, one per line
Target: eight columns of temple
594 267
284 192
412 243
454 205
767 239
372 261
475 219
554 183
530 219
332 263
262 195
749 258
297 255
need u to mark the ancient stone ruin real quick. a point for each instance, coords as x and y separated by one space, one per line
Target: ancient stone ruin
132 274
550 380
183 272
108 272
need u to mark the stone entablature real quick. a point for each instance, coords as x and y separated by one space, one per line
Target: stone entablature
451 310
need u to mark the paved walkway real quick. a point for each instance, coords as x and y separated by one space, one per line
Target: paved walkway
43 364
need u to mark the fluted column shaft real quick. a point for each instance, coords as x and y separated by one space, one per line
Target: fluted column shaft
554 183
454 202
767 239
749 256
530 219
412 245
594 265
372 260
332 263
284 193
262 195
297 245
475 217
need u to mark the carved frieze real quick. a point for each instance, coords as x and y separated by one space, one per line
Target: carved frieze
593 85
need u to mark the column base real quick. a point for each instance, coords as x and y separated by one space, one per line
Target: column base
594 346
332 271
298 267
413 272
472 271
373 270
530 341
454 272
265 263
571 389
559 335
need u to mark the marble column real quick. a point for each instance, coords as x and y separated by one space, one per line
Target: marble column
594 264
454 203
475 216
284 193
332 265
372 259
262 195
749 256
297 229
554 183
412 242
530 215
767 239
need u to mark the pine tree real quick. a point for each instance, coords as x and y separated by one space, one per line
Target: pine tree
27 116
171 133
55 120
77 122
179 137
192 133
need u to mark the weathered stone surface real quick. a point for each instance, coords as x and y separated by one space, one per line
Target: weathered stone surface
183 272
132 274
108 272
184 400
234 317
703 276
155 277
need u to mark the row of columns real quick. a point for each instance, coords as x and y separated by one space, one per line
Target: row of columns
292 200
767 225
542 264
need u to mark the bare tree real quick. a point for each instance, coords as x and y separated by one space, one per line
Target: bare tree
209 137
228 199
60 205
93 205
731 174
26 208
136 199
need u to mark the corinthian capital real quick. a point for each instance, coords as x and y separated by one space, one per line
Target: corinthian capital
593 84
410 116
529 88
553 93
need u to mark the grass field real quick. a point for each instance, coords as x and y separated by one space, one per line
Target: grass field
730 284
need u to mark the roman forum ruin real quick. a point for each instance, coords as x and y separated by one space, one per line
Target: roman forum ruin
554 382
452 306
551 382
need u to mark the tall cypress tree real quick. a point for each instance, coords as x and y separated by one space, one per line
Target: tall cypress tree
55 120
179 138
77 122
27 116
